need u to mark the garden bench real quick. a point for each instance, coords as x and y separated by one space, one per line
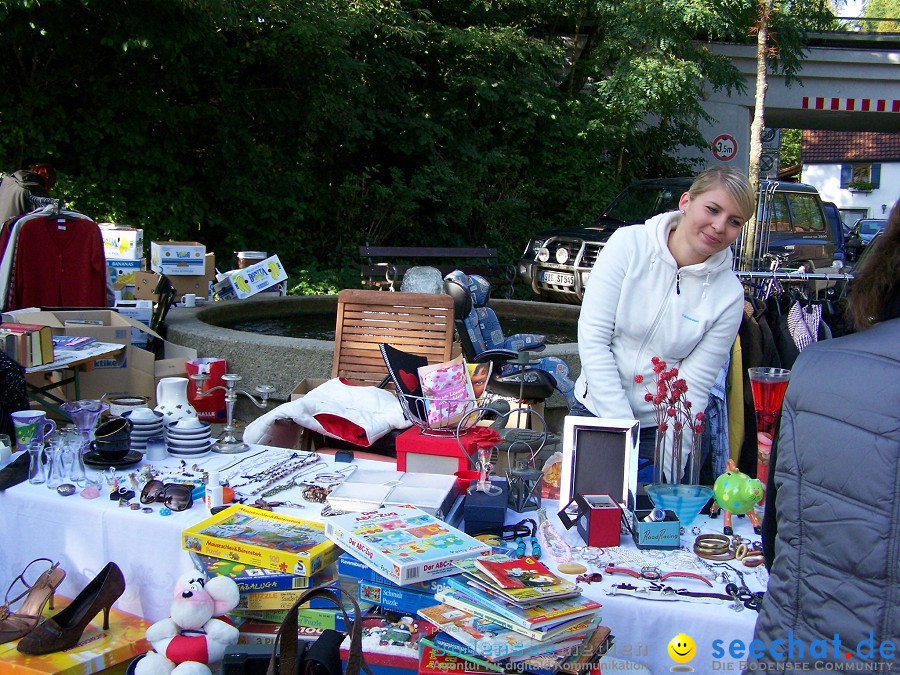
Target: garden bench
383 267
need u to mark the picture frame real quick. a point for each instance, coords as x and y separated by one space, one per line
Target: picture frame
590 443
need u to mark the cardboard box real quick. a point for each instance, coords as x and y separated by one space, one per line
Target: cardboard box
665 534
121 242
198 284
121 272
139 310
251 280
434 454
134 372
307 384
96 651
177 258
598 519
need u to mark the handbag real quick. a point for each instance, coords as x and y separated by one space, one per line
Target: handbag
284 662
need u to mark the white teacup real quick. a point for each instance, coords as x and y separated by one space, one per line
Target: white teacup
188 423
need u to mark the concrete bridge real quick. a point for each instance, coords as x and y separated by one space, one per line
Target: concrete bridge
848 82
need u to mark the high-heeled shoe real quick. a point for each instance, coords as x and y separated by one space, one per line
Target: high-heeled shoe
14 625
64 629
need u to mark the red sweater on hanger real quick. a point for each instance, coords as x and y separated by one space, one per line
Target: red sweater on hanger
59 262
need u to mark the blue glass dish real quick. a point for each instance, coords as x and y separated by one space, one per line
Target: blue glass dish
685 500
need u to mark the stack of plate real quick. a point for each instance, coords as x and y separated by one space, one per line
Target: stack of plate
146 424
188 437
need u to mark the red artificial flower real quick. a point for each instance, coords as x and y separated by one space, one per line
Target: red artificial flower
678 426
700 416
639 378
648 397
670 411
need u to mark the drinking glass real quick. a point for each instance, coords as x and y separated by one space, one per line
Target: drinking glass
55 473
768 386
36 475
5 449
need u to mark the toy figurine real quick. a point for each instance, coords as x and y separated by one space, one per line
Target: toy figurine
193 636
736 492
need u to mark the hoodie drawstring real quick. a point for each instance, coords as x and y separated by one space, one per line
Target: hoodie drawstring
678 282
705 286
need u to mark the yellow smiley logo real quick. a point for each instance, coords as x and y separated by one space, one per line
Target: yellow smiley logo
682 648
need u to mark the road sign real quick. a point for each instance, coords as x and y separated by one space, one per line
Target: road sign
724 147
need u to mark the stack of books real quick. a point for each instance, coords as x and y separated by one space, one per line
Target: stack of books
273 558
27 344
504 613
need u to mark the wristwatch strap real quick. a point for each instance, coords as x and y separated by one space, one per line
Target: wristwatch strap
687 575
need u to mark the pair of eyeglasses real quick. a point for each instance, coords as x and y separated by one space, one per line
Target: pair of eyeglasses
177 497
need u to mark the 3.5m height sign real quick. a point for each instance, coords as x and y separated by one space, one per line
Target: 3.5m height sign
724 147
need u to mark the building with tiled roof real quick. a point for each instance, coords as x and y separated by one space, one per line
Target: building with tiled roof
857 170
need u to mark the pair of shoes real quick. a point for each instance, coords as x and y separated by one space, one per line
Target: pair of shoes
64 630
14 625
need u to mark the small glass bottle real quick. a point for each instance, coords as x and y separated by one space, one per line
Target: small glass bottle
36 475
56 474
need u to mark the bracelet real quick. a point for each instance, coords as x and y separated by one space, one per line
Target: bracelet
714 539
753 559
727 555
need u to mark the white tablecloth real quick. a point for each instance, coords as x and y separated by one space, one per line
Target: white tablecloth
86 534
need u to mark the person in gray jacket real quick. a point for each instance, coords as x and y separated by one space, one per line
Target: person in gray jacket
833 599
17 188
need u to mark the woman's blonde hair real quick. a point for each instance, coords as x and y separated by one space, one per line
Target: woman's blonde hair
735 183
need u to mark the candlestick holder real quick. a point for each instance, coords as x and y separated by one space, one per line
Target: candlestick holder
228 443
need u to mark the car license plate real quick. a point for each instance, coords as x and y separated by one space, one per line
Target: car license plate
558 278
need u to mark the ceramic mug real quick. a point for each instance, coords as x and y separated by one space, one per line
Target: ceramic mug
31 425
189 300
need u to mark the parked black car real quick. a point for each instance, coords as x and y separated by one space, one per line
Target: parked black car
557 263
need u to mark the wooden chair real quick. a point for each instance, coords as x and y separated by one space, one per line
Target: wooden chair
418 323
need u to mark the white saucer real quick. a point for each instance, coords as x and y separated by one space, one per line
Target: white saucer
185 437
183 429
188 445
192 452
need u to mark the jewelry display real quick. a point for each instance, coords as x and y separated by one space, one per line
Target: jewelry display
551 540
316 493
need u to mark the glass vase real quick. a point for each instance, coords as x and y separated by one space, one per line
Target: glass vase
676 478
768 386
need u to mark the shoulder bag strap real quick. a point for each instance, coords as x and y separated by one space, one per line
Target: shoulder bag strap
287 633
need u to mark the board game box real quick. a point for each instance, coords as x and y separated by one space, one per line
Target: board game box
403 543
263 539
257 579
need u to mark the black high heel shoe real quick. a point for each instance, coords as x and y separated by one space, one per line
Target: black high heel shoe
64 629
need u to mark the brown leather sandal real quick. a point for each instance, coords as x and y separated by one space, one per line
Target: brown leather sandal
14 625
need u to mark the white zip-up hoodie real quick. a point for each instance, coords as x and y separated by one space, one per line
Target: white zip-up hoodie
637 305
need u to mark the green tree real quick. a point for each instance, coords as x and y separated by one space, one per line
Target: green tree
886 11
306 127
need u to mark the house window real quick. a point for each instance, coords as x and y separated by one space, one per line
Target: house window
866 175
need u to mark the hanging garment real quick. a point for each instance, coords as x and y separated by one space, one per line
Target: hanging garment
58 261
803 324
735 401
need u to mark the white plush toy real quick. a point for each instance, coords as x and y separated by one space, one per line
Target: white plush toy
192 636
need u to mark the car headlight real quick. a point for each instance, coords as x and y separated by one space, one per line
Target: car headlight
562 255
534 247
543 254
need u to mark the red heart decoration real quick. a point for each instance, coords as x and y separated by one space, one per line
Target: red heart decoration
410 380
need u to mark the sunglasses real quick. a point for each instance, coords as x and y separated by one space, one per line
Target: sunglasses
177 497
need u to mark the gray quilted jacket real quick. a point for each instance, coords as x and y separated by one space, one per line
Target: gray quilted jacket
837 562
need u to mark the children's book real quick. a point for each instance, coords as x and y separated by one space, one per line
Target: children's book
263 539
493 641
544 634
257 579
479 374
436 661
519 573
403 543
525 596
546 613
393 644
447 391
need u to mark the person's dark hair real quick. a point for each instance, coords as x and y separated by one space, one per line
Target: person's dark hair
876 286
47 173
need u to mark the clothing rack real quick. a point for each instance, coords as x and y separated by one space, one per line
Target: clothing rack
794 275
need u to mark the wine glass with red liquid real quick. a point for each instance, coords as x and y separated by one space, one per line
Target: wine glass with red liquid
768 386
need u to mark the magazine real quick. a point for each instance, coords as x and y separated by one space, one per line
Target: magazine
493 641
447 392
527 595
479 375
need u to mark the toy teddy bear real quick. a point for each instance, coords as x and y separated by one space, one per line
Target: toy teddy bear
192 636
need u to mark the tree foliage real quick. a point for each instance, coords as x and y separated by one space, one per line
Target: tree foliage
306 127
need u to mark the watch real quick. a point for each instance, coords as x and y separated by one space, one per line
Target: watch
648 573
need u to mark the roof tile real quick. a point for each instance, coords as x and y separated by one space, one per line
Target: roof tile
821 146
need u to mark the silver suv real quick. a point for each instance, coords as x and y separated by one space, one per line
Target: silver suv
557 263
